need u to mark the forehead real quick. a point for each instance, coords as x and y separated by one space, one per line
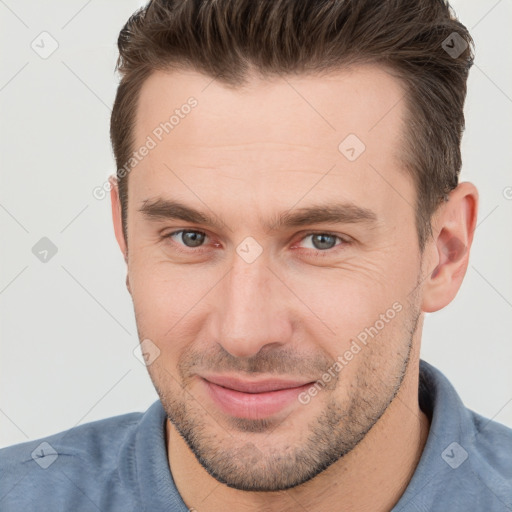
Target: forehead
364 100
276 136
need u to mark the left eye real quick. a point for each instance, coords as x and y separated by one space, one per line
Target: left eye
321 241
190 239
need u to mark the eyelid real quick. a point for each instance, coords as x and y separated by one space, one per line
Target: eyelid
344 239
182 247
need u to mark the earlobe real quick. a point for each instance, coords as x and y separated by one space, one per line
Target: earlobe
456 222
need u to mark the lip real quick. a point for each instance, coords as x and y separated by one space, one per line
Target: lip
253 399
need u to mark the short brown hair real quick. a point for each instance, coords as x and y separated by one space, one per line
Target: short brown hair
225 39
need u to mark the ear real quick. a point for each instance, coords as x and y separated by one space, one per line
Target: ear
116 216
453 226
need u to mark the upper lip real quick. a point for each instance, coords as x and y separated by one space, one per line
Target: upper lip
260 386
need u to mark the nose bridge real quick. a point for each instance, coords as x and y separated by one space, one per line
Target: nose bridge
251 310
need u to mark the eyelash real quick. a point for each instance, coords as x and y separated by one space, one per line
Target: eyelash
316 252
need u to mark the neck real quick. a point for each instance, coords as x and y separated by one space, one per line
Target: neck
373 476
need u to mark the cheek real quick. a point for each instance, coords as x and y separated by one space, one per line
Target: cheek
167 296
350 295
331 305
360 303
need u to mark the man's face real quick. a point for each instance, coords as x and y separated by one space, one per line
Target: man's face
255 296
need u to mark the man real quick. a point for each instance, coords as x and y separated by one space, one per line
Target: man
288 206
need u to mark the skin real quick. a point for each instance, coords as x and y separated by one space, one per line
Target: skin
244 156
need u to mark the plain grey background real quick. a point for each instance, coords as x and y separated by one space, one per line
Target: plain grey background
67 325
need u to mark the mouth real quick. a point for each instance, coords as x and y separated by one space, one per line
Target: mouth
253 399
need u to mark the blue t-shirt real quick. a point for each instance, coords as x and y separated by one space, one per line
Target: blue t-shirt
120 463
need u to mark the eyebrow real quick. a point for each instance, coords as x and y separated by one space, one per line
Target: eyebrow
337 213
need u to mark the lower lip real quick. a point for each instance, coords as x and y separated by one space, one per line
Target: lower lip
253 405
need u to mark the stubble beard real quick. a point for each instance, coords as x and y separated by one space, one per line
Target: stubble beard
256 462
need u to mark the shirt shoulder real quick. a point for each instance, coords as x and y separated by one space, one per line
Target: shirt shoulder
71 470
491 450
466 463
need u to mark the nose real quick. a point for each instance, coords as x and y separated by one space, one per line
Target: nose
252 309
